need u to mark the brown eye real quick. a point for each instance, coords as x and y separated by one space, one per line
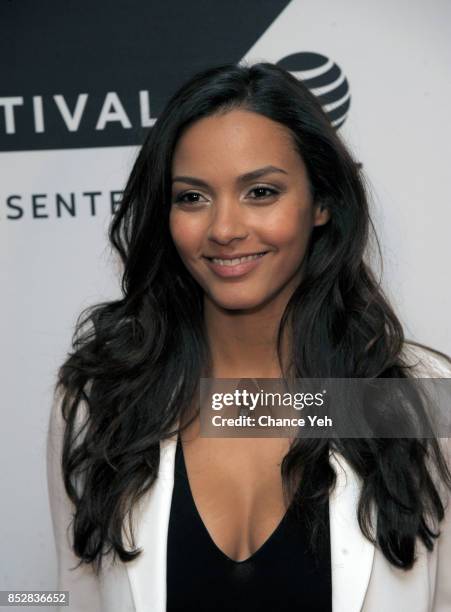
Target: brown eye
181 197
264 191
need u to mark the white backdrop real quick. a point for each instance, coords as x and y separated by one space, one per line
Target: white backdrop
396 56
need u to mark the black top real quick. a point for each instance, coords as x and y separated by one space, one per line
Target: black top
282 575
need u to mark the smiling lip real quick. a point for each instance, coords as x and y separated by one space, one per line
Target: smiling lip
225 255
236 270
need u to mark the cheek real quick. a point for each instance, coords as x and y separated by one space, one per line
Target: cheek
183 233
290 230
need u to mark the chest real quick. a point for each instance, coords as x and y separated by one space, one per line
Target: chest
362 580
236 486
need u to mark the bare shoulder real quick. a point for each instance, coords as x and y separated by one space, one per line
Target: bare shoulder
426 361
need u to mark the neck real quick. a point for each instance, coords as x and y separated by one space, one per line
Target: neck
243 343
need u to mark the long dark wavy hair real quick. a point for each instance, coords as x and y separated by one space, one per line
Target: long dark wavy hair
136 361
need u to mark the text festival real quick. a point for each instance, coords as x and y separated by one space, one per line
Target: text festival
111 110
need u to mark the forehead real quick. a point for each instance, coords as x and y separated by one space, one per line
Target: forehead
236 140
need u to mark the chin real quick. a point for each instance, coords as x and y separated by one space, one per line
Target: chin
237 302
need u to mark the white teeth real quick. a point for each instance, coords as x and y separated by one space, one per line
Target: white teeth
234 262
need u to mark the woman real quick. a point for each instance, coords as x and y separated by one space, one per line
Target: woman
242 162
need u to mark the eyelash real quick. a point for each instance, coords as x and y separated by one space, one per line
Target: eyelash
182 195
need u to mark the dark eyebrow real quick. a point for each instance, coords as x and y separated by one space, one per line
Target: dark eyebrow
243 178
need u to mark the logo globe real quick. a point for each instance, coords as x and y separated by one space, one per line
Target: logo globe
325 79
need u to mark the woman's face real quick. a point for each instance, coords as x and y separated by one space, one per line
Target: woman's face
239 189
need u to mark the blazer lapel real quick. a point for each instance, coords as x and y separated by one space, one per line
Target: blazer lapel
147 573
351 553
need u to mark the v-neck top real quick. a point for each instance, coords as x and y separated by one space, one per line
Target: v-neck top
282 575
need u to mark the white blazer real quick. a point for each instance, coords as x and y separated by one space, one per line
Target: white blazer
362 579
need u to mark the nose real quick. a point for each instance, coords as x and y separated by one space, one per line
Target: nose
227 221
